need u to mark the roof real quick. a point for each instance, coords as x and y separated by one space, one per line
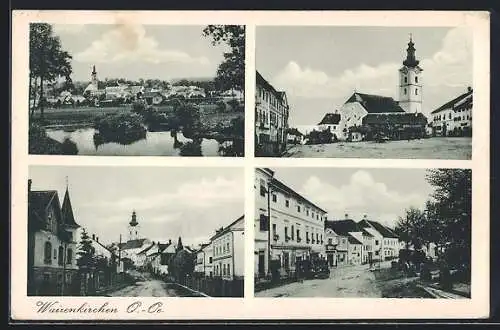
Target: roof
375 103
451 103
67 211
147 248
294 131
330 119
280 185
133 244
343 227
395 118
38 202
383 230
353 240
264 83
223 230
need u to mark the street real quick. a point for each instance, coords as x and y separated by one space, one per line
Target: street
431 148
147 287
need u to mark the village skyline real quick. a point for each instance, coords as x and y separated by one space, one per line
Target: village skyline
189 205
376 193
139 51
324 66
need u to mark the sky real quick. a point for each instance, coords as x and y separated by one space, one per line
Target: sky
170 202
381 194
320 67
139 51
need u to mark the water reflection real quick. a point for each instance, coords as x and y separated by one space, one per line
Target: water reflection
152 144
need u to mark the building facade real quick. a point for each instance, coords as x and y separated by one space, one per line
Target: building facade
271 118
52 245
228 246
410 82
454 118
288 227
204 260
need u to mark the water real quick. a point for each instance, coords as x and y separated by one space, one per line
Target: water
155 144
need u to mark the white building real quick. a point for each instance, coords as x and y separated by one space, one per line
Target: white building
135 244
454 118
229 250
204 260
295 231
410 82
331 122
386 242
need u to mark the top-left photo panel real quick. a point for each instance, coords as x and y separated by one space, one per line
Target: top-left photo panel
136 90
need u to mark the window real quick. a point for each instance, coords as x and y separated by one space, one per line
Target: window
287 203
307 212
416 79
298 208
227 246
55 254
228 270
263 222
286 233
60 259
209 260
317 238
416 91
292 232
376 242
274 229
307 236
312 214
69 258
262 190
321 236
404 91
275 198
298 235
406 79
330 241
224 269
47 253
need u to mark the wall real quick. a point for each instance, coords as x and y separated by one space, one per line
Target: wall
351 114
239 253
411 102
43 236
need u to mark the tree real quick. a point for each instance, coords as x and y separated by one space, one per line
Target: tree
231 72
179 245
86 253
409 228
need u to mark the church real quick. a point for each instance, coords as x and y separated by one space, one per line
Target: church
366 116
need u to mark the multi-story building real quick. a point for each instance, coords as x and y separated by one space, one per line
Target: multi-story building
52 244
271 118
204 260
228 250
454 118
330 122
386 242
288 226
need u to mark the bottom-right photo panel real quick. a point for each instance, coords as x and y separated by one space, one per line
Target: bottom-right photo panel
362 232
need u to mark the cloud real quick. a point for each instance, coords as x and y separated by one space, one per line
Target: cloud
207 193
129 43
450 66
68 28
362 195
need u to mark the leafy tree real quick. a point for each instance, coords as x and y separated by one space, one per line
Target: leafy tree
231 72
86 253
410 228
47 60
181 265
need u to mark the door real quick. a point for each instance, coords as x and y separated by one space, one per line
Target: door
262 263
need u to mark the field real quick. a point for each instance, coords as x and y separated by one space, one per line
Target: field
431 148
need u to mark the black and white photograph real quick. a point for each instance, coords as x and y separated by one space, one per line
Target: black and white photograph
363 233
364 92
130 89
147 232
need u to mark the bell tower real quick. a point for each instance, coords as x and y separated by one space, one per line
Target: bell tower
93 78
133 227
410 82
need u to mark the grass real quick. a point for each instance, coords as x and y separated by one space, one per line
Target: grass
395 284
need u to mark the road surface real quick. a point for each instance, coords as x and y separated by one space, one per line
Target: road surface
147 287
347 281
431 148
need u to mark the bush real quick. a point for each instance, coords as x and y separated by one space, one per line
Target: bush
68 147
221 106
138 107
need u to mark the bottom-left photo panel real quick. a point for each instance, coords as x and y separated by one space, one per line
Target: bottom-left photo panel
135 231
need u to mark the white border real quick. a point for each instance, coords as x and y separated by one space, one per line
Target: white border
23 307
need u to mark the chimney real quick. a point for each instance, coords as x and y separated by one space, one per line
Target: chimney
469 89
365 216
346 216
97 238
93 237
169 241
29 185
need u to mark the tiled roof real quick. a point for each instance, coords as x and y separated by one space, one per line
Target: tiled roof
330 119
451 103
375 103
343 227
395 118
353 240
147 248
133 244
67 212
383 230
239 221
38 202
294 131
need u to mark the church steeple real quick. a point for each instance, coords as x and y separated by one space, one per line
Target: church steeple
67 210
410 60
133 222
93 77
133 228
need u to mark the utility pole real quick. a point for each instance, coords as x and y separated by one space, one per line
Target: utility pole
269 227
120 253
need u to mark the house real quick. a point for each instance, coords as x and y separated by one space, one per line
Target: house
355 248
52 245
396 126
386 242
330 122
454 118
228 250
132 248
204 260
271 118
153 98
295 231
294 136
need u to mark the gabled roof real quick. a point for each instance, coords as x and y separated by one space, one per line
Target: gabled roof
343 227
146 249
67 212
133 244
238 222
280 95
402 118
280 185
294 131
375 103
451 103
330 119
353 240
383 230
38 202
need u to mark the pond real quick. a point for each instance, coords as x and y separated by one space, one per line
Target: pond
152 144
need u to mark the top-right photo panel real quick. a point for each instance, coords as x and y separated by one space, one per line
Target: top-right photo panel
364 92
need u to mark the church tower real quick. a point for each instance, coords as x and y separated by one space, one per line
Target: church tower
133 228
410 82
93 78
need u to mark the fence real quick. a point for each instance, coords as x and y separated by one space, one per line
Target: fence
216 286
